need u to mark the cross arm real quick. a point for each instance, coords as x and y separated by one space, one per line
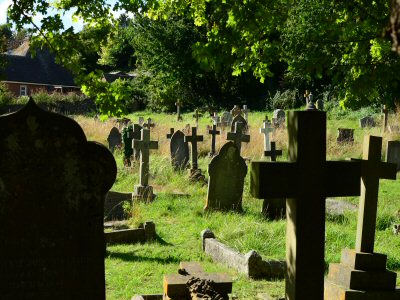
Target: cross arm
342 178
387 170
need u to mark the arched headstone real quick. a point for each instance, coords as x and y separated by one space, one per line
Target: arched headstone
179 151
239 119
227 171
52 188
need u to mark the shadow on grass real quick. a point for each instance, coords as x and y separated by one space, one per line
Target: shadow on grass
131 257
159 240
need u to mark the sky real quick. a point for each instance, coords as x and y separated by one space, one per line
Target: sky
67 18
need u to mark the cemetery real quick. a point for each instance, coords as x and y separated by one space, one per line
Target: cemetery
155 211
199 150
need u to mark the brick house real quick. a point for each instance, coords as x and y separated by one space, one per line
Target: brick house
24 74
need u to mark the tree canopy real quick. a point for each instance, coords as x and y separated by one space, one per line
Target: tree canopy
205 49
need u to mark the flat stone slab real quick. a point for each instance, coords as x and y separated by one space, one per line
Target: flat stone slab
250 264
148 297
131 236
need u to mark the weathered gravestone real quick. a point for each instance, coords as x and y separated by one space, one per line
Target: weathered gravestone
305 203
238 135
235 111
114 205
319 104
393 153
279 117
345 135
149 124
178 105
226 119
385 113
114 139
367 121
239 119
245 112
140 121
362 273
179 151
144 191
226 172
52 188
193 283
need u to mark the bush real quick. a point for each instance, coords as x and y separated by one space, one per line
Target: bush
5 95
287 99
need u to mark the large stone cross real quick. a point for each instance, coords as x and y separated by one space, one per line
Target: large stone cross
305 181
372 169
144 145
193 139
238 137
176 285
266 130
214 132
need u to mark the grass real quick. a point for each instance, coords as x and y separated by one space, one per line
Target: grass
179 217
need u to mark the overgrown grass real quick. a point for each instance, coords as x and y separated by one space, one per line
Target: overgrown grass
179 217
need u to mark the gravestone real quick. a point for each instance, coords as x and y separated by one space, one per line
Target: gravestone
214 132
114 205
363 271
279 117
52 188
367 121
196 116
319 104
305 202
243 126
123 122
393 153
245 112
216 120
178 110
195 172
385 113
141 121
226 172
114 139
238 135
235 111
273 208
144 191
179 151
191 277
226 119
149 124
345 135
265 131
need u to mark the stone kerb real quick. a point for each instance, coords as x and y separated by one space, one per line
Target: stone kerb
250 263
142 234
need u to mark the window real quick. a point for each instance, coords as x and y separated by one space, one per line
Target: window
23 90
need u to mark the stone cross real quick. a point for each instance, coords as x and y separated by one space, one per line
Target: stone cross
214 132
273 152
372 169
197 115
385 112
245 112
266 130
171 132
193 139
305 203
51 174
175 285
143 146
178 111
149 124
238 136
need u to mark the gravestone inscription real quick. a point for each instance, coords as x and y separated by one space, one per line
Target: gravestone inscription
52 188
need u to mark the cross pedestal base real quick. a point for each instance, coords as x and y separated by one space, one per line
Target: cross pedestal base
195 175
361 276
274 208
143 193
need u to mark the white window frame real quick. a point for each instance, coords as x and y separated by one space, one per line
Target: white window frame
23 90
